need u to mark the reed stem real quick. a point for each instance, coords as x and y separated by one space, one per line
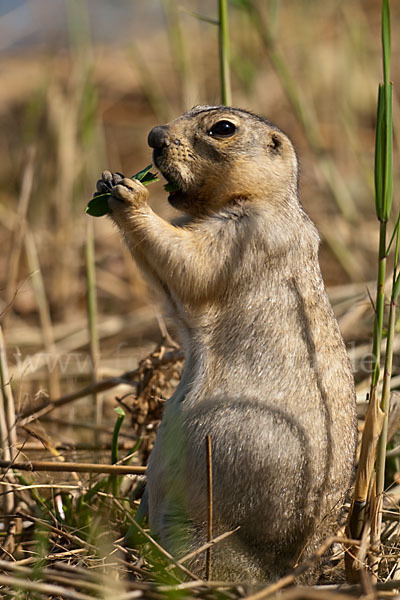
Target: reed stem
224 53
383 201
92 322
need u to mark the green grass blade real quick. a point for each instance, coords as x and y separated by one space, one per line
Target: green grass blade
387 115
114 479
117 427
386 42
388 172
394 234
140 175
148 178
396 289
384 153
379 154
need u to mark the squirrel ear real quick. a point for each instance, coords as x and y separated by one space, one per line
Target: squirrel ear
275 143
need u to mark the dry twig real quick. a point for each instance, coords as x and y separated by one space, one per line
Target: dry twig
71 467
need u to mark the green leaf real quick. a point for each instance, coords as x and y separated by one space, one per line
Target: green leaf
114 442
383 153
142 174
98 206
145 176
148 178
396 289
114 481
171 187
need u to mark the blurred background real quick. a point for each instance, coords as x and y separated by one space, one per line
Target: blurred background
83 82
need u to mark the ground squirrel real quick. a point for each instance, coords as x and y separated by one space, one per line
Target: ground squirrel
266 373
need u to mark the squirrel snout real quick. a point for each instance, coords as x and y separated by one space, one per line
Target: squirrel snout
158 137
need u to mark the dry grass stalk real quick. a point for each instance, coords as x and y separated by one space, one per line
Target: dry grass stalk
49 405
63 108
36 446
303 593
72 467
209 544
305 566
51 575
19 230
42 588
8 500
85 579
73 334
71 537
44 310
156 545
72 338
8 398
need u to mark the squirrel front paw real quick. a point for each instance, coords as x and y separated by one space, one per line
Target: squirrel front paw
130 192
126 194
107 182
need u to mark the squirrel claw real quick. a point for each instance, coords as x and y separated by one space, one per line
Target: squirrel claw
128 191
107 182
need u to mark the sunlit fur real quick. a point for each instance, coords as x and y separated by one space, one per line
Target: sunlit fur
266 372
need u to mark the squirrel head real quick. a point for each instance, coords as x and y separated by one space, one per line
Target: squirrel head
216 155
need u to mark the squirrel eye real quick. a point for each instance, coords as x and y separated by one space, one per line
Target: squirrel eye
222 129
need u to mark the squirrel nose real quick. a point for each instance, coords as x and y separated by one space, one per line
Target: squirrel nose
158 137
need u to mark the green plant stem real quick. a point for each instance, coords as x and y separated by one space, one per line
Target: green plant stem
92 321
226 94
368 496
385 400
380 306
114 448
383 201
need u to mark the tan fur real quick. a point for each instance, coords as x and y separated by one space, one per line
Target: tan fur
266 373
